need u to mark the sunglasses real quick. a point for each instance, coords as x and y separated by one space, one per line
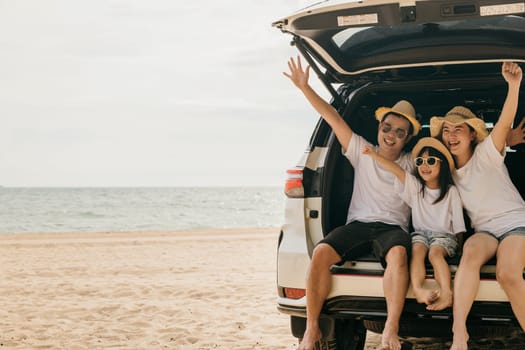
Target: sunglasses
431 161
400 133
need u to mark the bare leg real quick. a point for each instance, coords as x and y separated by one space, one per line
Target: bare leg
317 289
442 272
418 273
509 272
395 286
478 249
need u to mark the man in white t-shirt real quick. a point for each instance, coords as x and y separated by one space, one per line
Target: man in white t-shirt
377 218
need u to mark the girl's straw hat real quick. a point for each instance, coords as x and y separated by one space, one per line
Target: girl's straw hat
402 108
437 145
459 115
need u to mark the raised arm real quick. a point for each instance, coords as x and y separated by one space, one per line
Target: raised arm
389 165
512 74
300 79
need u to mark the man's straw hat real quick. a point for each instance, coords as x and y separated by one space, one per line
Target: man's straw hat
404 109
459 115
437 145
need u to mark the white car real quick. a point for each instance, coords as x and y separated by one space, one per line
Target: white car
437 54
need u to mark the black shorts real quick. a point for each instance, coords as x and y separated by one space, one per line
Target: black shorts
361 238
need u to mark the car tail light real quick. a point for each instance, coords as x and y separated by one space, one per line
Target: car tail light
294 183
294 293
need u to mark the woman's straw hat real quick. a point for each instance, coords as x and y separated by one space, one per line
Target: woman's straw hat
437 145
402 108
459 115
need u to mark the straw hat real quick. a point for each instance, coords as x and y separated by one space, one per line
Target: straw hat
459 115
437 145
402 108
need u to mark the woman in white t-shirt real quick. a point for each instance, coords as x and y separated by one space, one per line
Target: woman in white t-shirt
437 216
495 206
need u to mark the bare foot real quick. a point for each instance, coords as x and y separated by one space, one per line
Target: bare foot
459 341
310 337
444 301
390 339
425 296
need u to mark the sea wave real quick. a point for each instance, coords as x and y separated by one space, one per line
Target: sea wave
125 209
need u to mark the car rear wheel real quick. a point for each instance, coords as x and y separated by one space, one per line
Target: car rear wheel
338 334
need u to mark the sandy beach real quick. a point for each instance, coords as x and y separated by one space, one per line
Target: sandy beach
142 290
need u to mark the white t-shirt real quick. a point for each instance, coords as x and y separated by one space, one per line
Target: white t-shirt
374 197
445 216
492 201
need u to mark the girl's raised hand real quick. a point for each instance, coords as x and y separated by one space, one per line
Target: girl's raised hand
368 150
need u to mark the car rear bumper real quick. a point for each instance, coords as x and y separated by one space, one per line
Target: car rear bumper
416 320
375 307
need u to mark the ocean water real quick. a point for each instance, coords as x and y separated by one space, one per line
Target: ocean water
132 209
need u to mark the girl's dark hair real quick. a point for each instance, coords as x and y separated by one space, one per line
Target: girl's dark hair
445 176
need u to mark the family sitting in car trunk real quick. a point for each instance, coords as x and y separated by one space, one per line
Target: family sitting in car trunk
430 186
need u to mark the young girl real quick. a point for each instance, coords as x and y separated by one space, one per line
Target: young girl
494 205
437 216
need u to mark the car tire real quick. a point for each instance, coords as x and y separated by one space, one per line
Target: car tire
350 335
340 334
323 344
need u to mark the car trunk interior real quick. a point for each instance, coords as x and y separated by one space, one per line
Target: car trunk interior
484 95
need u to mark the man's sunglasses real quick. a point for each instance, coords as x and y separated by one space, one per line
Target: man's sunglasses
431 161
400 133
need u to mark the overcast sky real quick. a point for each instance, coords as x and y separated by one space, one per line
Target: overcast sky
148 93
